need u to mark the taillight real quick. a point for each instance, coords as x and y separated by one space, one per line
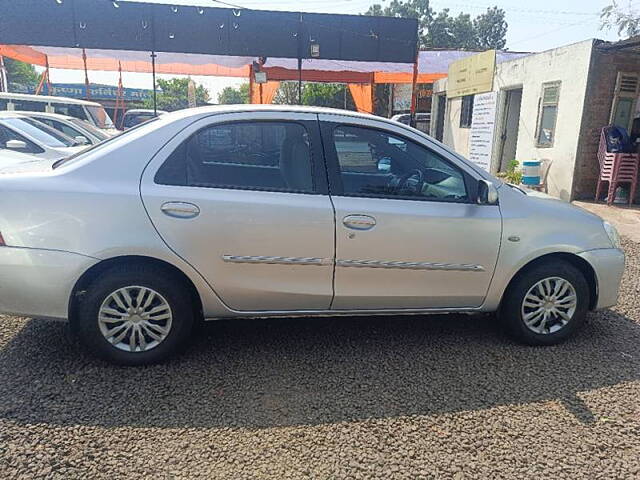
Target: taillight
2 244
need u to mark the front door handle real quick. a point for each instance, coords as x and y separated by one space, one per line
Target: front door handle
180 209
359 222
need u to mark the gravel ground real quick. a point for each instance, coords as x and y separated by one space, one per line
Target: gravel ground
407 398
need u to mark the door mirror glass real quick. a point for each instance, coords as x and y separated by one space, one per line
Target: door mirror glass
487 193
384 165
16 145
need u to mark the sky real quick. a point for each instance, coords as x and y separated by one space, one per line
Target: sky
533 26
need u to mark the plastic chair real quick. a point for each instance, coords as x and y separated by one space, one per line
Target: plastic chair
616 168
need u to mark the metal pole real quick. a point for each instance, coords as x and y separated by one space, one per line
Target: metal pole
299 81
153 73
4 84
414 92
299 36
86 75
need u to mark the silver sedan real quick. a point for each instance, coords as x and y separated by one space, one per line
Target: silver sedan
243 211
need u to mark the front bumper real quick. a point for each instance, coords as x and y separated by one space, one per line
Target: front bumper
37 282
608 263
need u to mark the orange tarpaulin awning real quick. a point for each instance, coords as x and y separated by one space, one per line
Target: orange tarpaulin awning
139 62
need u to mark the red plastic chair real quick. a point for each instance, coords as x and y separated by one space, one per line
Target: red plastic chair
616 168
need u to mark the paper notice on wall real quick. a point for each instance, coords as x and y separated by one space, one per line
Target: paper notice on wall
482 128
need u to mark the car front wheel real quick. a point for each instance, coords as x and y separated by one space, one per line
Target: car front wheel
135 315
546 304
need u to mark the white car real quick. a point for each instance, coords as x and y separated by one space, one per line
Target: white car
14 162
81 131
92 112
246 211
26 135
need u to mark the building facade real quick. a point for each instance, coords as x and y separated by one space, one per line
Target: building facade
549 106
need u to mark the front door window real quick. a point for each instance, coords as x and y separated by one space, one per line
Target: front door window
376 163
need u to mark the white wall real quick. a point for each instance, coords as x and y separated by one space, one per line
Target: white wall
453 135
569 65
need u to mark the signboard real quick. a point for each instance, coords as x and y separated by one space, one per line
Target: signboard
482 129
472 75
79 90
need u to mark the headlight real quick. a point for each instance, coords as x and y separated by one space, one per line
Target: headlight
613 234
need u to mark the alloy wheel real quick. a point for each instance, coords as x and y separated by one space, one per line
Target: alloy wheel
549 305
135 319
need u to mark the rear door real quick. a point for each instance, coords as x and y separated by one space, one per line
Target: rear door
408 231
243 198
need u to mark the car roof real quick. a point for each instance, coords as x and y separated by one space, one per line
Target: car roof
245 108
46 98
55 116
144 110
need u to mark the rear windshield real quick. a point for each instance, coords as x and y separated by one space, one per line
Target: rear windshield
96 132
133 119
100 117
40 132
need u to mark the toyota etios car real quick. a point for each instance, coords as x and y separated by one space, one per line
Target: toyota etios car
242 211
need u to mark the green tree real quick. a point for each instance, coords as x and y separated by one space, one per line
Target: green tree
441 30
20 73
233 96
491 29
315 94
324 94
173 95
625 20
287 94
419 9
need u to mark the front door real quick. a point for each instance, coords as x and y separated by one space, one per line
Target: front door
243 198
408 231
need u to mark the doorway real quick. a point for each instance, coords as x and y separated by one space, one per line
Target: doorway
510 126
441 108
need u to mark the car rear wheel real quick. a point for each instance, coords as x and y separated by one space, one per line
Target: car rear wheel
135 315
546 304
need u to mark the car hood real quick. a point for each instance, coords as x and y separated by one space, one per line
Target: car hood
559 204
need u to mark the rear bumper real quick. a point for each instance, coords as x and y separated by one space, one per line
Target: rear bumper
38 283
608 263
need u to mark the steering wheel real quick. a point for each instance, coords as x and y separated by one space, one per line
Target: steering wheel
411 182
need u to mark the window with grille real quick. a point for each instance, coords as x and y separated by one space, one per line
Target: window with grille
548 114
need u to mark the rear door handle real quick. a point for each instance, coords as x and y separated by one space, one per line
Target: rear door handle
359 222
180 209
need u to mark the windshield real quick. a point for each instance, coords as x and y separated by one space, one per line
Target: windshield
40 132
100 117
96 132
71 159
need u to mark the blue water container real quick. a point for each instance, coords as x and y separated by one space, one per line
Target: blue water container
531 172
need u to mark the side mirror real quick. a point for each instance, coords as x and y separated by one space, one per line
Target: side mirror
487 193
384 165
81 139
16 145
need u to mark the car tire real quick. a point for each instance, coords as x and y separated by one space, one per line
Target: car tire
538 308
154 329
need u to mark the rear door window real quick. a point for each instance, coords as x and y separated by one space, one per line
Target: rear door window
29 106
274 156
